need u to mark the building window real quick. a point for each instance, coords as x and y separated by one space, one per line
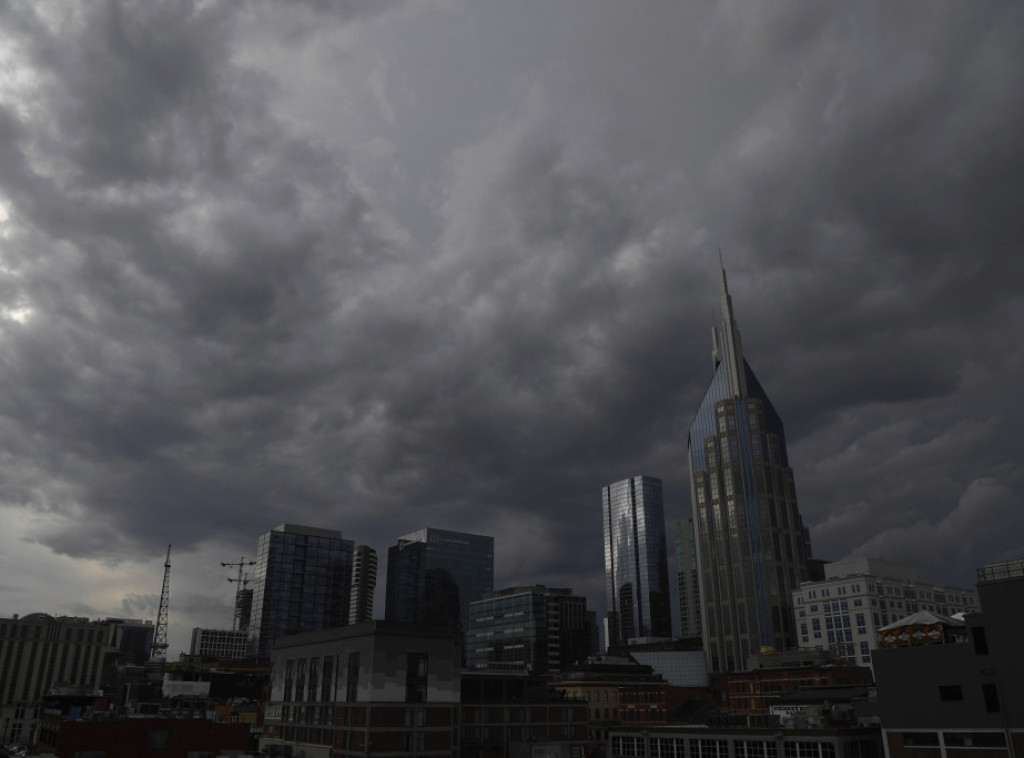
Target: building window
991 695
809 750
416 678
300 678
352 680
949 692
756 749
980 640
974 739
709 748
414 741
328 676
289 680
314 680
920 739
159 739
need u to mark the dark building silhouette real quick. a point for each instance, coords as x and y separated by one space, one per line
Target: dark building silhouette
434 574
302 583
947 687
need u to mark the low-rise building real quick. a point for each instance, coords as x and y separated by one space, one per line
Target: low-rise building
38 652
142 738
850 705
743 742
859 596
505 714
680 662
768 677
657 703
392 689
219 644
958 695
377 688
597 683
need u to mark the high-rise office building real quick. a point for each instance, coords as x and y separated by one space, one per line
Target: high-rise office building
752 546
364 582
434 574
302 583
635 560
687 579
536 629
38 652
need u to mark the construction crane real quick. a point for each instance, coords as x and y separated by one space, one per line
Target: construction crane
158 652
241 581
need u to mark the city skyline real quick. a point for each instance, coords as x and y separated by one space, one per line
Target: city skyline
453 264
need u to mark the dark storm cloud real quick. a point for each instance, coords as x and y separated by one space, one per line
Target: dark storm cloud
213 323
180 252
883 195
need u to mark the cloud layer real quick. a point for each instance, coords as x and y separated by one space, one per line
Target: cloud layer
383 266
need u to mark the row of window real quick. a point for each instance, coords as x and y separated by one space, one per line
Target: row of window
962 600
954 739
637 746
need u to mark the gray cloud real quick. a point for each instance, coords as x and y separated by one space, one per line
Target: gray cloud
382 268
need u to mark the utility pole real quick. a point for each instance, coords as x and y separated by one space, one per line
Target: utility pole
241 581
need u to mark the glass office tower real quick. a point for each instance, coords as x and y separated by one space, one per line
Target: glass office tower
635 560
434 574
536 629
752 547
302 583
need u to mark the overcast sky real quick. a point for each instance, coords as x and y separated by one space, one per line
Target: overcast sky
377 266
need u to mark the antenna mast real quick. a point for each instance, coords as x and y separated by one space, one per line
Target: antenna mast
242 581
159 650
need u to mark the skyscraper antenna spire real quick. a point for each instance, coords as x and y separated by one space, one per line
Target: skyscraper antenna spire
751 547
729 348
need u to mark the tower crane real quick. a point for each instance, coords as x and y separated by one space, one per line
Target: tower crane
241 581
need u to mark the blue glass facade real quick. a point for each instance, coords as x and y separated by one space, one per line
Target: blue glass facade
434 574
302 583
752 546
635 560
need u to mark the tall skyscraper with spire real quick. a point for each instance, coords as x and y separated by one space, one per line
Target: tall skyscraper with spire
635 560
752 546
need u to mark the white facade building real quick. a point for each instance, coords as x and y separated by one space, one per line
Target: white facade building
859 596
223 644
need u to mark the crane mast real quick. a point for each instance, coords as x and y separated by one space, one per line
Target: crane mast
241 581
158 653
